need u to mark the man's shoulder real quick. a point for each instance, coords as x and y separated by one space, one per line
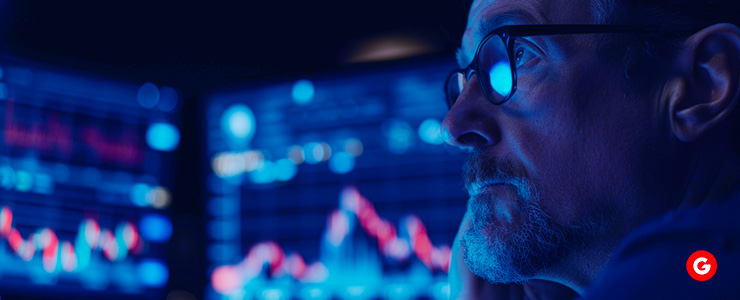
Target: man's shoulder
651 263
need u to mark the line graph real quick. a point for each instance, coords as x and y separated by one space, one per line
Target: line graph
398 244
86 178
78 256
115 245
278 161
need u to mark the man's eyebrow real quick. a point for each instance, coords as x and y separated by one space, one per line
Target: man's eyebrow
507 18
487 26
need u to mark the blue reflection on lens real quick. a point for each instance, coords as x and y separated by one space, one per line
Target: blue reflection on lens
501 80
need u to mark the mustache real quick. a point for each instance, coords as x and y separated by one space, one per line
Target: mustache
479 168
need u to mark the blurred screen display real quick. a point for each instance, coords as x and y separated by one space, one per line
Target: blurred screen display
85 182
337 186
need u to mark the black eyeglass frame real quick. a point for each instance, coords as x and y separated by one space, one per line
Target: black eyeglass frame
510 33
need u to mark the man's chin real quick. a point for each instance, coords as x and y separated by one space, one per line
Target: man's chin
492 260
515 248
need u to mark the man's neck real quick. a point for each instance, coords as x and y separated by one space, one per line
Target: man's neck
711 179
579 270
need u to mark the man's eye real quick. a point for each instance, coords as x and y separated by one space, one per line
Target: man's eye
522 55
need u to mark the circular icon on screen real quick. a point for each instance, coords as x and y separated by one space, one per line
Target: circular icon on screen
239 124
701 265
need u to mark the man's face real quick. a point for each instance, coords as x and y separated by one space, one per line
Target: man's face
560 167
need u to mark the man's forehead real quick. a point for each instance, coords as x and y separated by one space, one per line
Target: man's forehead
484 10
487 15
538 11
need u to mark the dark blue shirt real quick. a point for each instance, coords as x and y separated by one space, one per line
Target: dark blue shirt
651 261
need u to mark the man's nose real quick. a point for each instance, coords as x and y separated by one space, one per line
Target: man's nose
470 123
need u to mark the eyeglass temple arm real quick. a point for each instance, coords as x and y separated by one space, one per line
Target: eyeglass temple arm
532 30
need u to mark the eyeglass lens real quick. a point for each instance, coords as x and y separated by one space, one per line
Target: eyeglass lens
494 72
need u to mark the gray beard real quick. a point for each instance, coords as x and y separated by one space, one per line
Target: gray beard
513 254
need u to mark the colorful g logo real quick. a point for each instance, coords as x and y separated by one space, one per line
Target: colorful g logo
701 265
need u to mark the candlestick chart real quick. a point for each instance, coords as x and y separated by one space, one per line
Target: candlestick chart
85 183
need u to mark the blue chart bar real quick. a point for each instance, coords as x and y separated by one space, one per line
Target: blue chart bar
333 187
85 183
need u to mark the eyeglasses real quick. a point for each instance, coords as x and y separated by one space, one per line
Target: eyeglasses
500 54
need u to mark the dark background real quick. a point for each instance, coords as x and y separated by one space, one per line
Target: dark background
198 46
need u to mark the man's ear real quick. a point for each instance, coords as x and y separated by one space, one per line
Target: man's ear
706 92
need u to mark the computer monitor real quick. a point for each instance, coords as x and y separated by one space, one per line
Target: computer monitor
332 186
85 181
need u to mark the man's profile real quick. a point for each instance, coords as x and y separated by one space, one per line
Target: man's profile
603 148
